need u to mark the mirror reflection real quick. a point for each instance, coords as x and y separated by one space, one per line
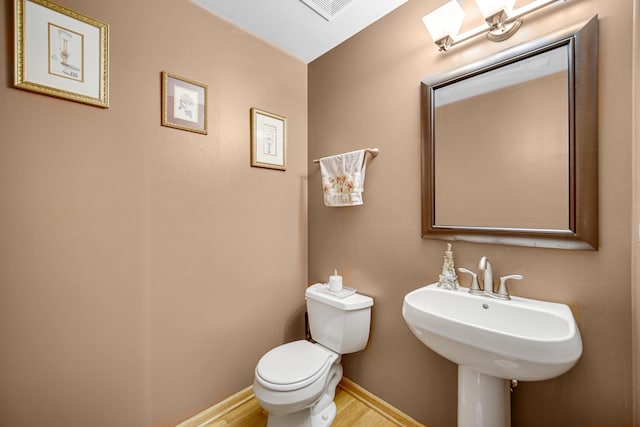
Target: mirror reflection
517 174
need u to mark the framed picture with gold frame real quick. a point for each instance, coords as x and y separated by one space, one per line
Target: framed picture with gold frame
268 140
61 53
184 103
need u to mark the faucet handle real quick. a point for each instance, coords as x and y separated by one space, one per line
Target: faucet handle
503 292
474 288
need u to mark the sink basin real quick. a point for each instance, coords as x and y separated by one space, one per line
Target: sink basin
521 339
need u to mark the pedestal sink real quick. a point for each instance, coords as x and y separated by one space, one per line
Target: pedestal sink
493 342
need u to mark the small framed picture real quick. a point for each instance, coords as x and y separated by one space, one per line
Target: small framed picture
184 104
268 140
61 53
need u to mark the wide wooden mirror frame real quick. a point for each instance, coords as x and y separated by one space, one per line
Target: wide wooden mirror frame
578 174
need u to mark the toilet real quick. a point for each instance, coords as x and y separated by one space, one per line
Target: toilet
296 382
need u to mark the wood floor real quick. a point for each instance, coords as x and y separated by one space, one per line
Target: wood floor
356 408
351 413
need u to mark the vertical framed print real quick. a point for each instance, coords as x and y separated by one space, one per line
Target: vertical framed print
184 103
268 140
61 53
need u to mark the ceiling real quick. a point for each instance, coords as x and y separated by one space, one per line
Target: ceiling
296 28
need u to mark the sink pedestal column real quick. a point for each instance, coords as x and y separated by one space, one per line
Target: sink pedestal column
483 400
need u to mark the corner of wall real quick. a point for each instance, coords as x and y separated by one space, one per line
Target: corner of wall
635 242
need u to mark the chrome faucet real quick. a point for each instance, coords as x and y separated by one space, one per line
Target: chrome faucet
485 287
486 278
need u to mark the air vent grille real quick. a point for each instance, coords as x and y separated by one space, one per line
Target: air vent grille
327 8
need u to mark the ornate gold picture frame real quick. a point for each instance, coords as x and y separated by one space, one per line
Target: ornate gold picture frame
61 53
268 140
184 103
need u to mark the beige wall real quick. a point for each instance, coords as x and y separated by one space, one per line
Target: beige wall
365 93
144 270
635 253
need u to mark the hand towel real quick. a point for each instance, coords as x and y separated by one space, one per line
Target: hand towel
343 178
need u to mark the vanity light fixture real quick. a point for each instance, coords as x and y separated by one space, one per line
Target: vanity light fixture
501 21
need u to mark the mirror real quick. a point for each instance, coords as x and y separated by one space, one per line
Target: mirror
510 146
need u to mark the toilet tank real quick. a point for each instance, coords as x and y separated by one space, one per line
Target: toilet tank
340 324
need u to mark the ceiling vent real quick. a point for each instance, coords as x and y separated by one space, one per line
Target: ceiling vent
328 9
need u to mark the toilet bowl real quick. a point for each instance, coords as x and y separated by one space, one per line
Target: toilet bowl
298 376
296 382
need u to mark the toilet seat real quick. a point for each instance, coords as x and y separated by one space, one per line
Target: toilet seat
293 366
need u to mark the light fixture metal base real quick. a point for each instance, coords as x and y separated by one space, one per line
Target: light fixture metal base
503 31
444 43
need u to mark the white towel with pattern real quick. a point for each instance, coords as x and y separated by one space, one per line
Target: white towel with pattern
343 178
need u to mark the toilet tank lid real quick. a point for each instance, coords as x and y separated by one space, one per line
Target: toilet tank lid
353 302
